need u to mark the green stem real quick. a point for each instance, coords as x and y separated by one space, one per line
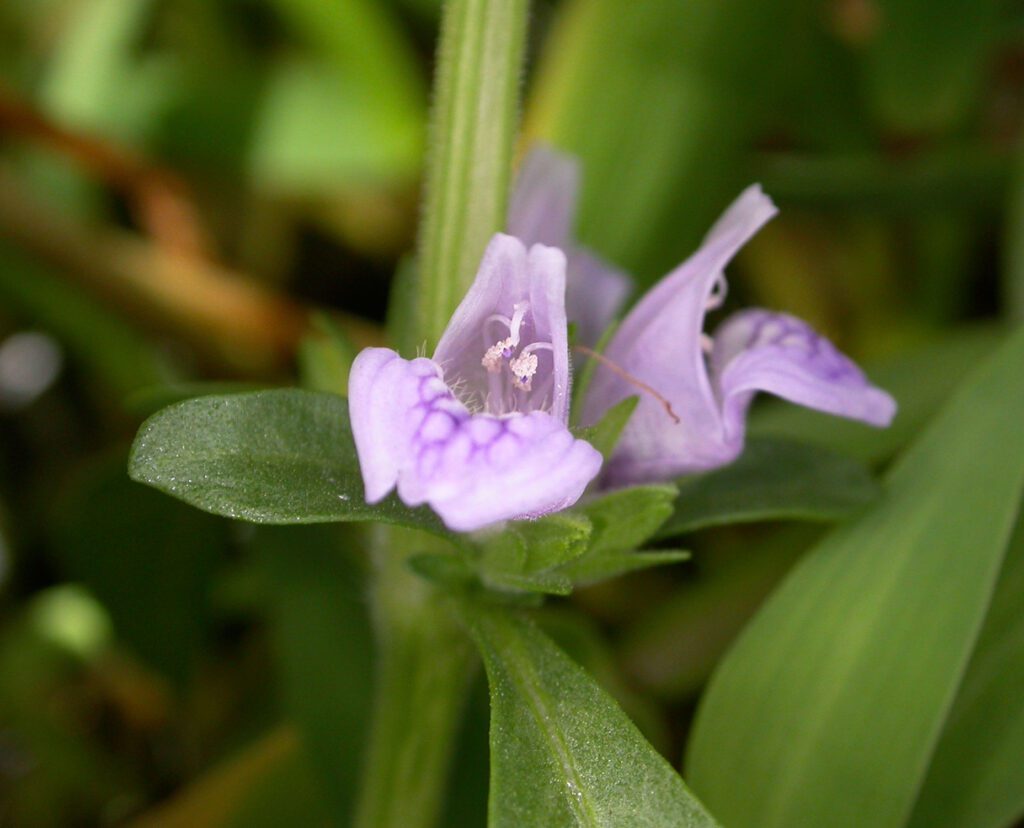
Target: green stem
424 664
472 133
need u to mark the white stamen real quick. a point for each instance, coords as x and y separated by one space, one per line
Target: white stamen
495 355
523 368
707 344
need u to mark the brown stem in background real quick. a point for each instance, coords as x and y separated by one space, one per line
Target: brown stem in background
227 316
158 197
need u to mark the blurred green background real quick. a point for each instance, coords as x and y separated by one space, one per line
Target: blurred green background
200 195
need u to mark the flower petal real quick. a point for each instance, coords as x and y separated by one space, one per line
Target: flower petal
382 390
757 350
474 470
530 467
659 343
543 204
510 274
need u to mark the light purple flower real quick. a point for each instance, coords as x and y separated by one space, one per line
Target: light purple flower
479 431
708 384
542 211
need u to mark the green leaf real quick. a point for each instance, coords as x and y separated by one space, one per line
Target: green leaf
626 518
975 777
562 752
527 554
828 708
622 521
605 435
927 61
474 120
283 456
773 479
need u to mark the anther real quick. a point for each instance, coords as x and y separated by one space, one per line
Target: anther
496 354
523 368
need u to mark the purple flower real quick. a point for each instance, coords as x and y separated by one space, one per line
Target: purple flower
479 432
707 384
542 211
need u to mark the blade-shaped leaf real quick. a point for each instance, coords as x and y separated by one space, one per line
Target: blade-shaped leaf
828 709
773 479
282 456
562 752
975 779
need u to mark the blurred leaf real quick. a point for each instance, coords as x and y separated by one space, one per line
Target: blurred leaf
562 752
214 799
54 772
975 776
925 61
325 357
1013 243
282 456
672 648
320 629
527 554
95 80
466 803
959 178
154 585
473 125
773 479
287 794
108 346
920 380
317 130
402 328
827 710
363 40
659 99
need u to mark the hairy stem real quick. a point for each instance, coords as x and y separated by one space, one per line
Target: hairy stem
473 128
424 663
